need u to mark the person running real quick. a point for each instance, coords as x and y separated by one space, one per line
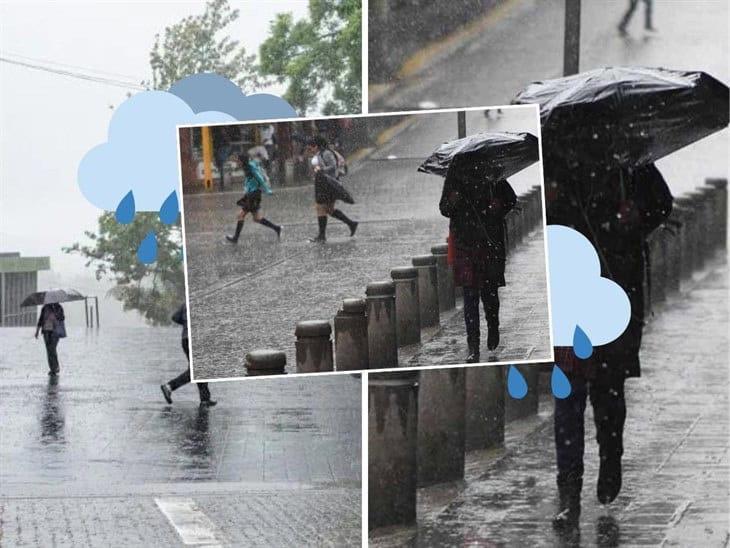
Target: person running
181 317
616 214
476 210
253 185
324 162
630 12
51 325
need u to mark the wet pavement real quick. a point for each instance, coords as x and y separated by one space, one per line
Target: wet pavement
251 295
676 468
90 459
523 42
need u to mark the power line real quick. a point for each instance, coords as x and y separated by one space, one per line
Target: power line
50 63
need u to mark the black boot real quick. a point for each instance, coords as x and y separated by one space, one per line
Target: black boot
234 239
337 214
321 237
473 344
569 488
493 335
609 478
276 228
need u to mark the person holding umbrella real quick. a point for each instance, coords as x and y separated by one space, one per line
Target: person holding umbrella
51 323
180 317
327 188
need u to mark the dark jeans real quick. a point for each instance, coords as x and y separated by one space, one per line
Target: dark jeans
51 340
609 415
490 300
184 378
630 12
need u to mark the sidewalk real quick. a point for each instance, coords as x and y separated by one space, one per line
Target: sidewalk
676 456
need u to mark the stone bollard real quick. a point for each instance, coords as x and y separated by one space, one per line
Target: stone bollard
673 253
445 274
407 314
392 448
441 425
657 266
265 362
428 296
720 201
690 240
518 409
702 221
485 393
351 336
313 346
382 330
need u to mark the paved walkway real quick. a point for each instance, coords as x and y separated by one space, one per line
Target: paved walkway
676 467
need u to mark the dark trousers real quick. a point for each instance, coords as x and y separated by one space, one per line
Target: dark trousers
630 12
184 378
490 300
51 340
609 415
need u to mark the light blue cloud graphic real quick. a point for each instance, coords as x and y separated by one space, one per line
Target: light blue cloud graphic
209 91
580 297
140 154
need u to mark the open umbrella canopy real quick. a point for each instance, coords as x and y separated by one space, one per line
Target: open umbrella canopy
486 156
52 296
626 117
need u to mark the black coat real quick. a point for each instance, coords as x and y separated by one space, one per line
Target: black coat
56 308
617 214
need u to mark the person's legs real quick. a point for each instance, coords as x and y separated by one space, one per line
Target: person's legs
51 341
569 447
322 211
265 222
609 414
627 16
337 214
471 319
239 226
648 5
490 300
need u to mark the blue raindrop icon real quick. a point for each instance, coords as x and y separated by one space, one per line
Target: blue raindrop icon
582 345
169 209
560 383
147 251
516 383
125 210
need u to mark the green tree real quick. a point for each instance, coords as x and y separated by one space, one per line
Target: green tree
192 46
154 290
316 54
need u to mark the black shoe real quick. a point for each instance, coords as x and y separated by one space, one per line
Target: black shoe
232 239
278 232
569 487
493 337
166 392
609 479
473 357
208 403
53 373
318 240
353 228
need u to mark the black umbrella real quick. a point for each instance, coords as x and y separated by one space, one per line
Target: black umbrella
485 156
335 188
52 296
626 116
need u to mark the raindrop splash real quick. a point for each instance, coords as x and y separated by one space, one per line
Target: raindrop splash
125 210
516 383
582 345
147 251
169 209
560 383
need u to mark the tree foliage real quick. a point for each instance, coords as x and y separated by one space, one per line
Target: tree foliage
192 46
154 290
321 53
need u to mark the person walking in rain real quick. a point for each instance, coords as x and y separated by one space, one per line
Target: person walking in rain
648 4
51 325
253 185
476 210
616 214
325 165
181 318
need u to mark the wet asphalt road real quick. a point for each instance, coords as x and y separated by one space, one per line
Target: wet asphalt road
524 43
83 460
676 468
251 295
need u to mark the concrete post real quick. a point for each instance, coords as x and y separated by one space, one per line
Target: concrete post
485 393
517 409
265 362
441 425
351 336
382 330
720 200
427 290
445 275
657 266
703 223
314 346
392 448
685 209
407 314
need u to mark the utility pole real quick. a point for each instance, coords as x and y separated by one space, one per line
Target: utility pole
571 48
207 157
461 123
